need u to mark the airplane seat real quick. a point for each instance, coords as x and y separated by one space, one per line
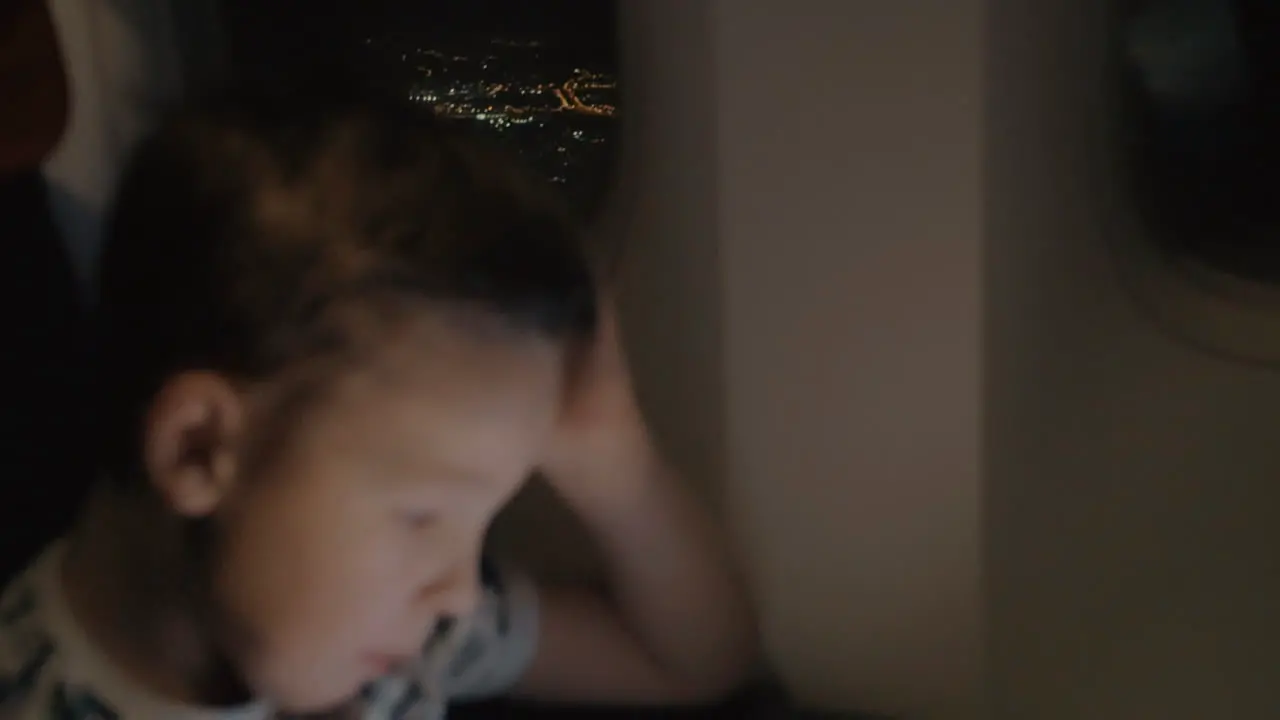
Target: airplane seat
43 354
44 406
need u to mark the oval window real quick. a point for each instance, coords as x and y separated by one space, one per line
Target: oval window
1204 131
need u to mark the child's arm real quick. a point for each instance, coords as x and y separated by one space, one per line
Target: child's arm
676 625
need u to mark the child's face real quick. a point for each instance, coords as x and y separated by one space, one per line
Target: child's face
362 526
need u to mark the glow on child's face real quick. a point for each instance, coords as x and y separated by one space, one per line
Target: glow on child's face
364 526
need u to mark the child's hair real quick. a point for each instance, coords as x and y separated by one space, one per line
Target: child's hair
248 229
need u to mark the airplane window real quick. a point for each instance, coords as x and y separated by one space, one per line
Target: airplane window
1204 82
538 76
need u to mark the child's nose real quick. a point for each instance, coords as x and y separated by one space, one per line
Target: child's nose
455 595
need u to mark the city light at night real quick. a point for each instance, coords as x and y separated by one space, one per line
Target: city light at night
559 117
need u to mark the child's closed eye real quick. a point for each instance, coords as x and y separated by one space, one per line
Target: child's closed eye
419 519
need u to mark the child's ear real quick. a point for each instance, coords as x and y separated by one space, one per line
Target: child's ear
192 433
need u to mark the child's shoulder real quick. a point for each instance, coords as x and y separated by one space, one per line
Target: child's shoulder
27 648
33 681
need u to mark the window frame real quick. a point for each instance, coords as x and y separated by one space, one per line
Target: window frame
1192 300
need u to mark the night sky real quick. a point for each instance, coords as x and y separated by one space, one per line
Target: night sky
579 17
291 30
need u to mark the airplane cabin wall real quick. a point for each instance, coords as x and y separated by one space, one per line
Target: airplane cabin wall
801 203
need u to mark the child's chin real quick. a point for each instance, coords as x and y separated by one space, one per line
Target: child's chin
320 703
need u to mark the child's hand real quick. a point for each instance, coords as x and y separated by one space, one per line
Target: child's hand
676 625
601 435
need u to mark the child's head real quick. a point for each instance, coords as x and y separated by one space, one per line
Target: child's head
334 340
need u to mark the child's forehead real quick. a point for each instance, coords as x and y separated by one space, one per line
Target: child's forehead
447 403
442 348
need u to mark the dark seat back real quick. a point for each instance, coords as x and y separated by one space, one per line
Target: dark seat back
46 460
